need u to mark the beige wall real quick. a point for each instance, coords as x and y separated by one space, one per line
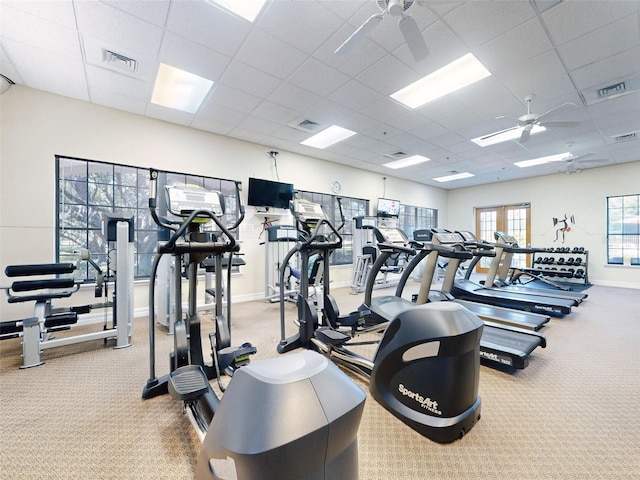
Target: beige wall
583 195
36 126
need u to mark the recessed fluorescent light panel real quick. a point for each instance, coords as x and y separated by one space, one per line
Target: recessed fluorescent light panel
542 160
328 137
406 162
458 74
178 89
506 135
456 176
247 9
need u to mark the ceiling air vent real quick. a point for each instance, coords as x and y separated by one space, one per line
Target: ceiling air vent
396 155
625 137
120 61
305 125
615 89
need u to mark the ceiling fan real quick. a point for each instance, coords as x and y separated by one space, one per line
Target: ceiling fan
408 28
529 120
573 163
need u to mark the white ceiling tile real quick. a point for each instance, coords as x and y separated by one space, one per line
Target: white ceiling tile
388 75
274 112
168 114
64 76
248 79
385 109
39 32
269 54
570 20
305 26
219 113
108 98
517 45
118 84
317 77
210 26
192 57
608 71
615 38
118 28
213 126
60 11
293 97
480 22
233 98
155 11
354 95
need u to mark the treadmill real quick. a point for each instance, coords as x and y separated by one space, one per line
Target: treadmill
455 253
465 289
506 247
499 345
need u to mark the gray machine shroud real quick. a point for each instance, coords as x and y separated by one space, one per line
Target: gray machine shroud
289 417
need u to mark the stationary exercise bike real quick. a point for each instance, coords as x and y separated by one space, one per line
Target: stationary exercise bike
425 369
248 433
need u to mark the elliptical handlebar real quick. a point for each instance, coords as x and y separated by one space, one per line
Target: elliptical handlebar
320 241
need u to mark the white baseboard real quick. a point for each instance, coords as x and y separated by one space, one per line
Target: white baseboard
607 283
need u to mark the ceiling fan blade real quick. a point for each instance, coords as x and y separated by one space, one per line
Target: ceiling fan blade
499 133
413 37
558 124
565 107
526 133
359 34
572 158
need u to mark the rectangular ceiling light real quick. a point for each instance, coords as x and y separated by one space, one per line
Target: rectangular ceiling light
175 88
456 176
328 137
247 9
542 160
505 135
458 74
406 162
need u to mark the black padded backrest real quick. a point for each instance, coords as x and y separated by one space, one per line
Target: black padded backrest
39 269
30 285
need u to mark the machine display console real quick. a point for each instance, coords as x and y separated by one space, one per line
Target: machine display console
184 199
308 212
393 235
447 238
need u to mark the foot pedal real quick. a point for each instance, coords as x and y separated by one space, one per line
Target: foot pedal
232 358
188 383
332 337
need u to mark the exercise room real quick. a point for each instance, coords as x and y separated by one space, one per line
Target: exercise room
320 239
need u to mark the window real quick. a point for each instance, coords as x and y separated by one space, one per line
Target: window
351 207
88 189
623 230
416 218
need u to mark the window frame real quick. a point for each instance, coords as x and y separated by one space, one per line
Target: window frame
104 186
358 207
623 243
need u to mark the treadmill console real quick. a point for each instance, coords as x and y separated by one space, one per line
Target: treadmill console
182 200
505 238
307 212
393 235
468 236
446 238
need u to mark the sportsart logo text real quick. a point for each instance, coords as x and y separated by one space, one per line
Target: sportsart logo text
425 403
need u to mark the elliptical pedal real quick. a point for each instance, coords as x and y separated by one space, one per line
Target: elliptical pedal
188 383
330 336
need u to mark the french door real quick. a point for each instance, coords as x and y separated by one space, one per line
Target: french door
514 220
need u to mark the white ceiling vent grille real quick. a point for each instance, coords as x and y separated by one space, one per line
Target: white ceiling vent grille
609 91
305 125
625 137
120 61
396 155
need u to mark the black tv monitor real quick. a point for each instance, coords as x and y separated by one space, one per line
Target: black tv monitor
388 208
269 194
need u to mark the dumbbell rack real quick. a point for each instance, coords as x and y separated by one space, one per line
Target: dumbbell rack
564 263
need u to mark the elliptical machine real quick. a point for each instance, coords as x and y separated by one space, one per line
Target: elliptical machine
252 435
425 370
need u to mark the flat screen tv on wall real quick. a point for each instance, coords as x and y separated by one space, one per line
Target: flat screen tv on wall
269 194
388 208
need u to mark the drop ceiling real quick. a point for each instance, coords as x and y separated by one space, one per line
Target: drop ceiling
276 78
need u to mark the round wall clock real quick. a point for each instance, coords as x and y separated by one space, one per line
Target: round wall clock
336 187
